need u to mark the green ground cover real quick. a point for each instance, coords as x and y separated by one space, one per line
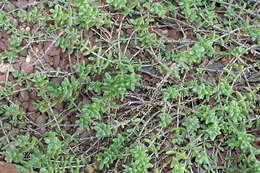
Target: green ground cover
130 86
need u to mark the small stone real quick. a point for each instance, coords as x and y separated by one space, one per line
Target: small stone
3 46
16 66
89 169
28 59
72 144
252 16
41 120
6 67
27 67
147 69
212 68
23 52
52 50
11 147
31 107
21 28
29 8
27 28
173 34
11 78
3 68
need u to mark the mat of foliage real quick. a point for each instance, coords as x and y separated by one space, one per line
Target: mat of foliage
131 86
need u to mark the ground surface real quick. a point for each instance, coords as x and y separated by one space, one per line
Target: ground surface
129 86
